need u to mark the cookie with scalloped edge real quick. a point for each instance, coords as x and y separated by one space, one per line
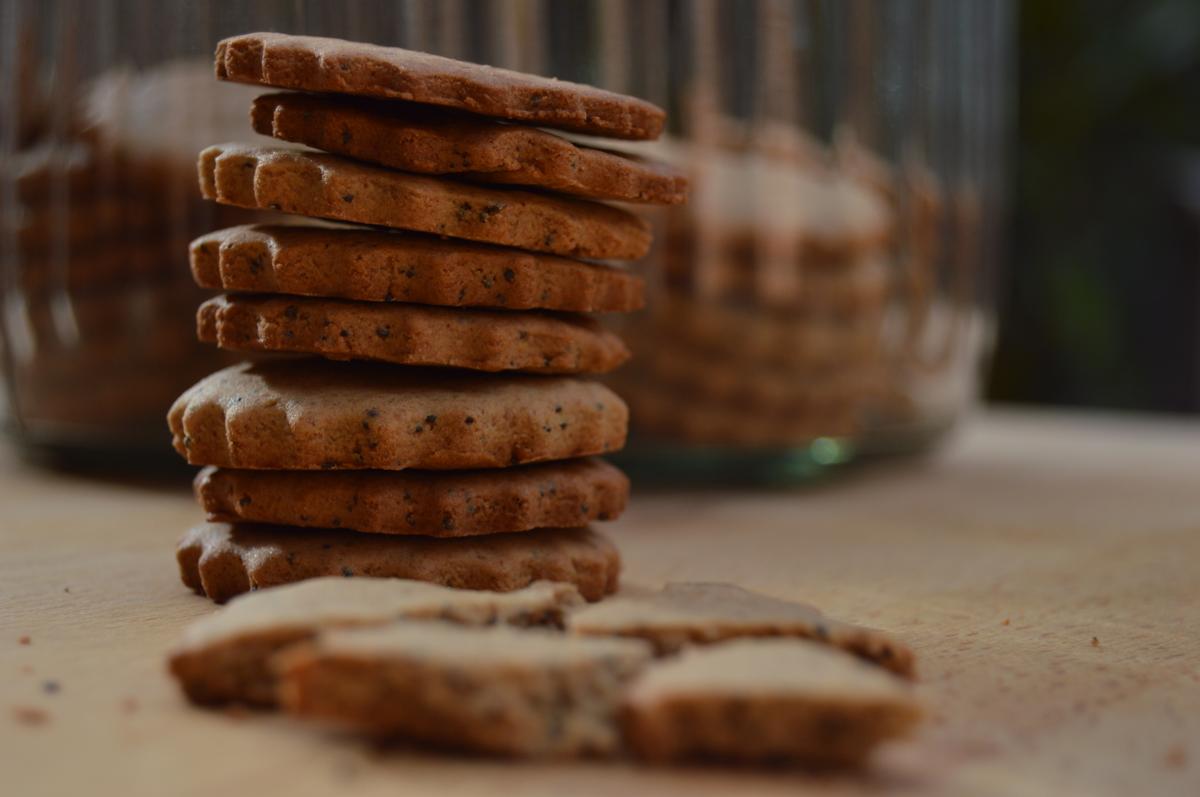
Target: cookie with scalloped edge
425 140
311 414
411 334
221 560
388 266
429 503
332 187
336 66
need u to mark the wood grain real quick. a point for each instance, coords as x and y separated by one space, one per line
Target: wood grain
1046 568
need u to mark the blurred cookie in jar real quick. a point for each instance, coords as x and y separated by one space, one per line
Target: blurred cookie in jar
100 336
767 327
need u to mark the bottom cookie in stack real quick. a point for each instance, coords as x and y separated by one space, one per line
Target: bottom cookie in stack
358 470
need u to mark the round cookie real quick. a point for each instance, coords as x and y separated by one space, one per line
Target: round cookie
434 504
222 560
411 334
312 414
335 66
332 187
379 266
415 138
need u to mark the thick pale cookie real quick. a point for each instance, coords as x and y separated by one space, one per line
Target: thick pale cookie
313 414
335 66
332 187
222 560
415 138
766 700
226 656
411 334
499 690
434 504
379 266
683 614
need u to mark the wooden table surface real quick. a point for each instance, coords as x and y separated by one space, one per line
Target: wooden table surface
1045 567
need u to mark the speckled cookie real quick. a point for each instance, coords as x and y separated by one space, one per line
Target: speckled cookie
501 690
335 66
414 138
222 560
699 613
434 504
379 266
766 700
332 187
226 656
411 334
313 414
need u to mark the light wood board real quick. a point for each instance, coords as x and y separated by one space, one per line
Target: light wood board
1045 567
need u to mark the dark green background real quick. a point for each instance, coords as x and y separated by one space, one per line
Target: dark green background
1099 300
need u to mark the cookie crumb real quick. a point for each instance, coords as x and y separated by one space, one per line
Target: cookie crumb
28 715
1176 757
1095 642
129 705
1005 621
25 640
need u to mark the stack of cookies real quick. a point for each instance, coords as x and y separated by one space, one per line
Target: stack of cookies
443 431
769 327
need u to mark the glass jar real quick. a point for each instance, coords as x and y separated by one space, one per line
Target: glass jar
824 295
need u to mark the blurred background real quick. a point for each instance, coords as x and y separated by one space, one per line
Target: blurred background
900 209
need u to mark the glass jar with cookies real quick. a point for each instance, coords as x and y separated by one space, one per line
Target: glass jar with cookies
823 296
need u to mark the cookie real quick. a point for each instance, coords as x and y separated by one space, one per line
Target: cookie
411 334
378 266
501 690
744 382
226 656
700 613
766 700
434 504
312 414
415 138
664 412
335 66
747 332
862 285
110 265
332 187
85 223
222 560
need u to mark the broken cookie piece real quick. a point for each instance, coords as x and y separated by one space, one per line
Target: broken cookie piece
702 613
499 690
765 701
226 656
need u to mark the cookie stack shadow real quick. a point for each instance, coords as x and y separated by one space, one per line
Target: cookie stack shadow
421 405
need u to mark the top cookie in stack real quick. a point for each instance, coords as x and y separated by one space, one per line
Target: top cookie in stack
444 469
